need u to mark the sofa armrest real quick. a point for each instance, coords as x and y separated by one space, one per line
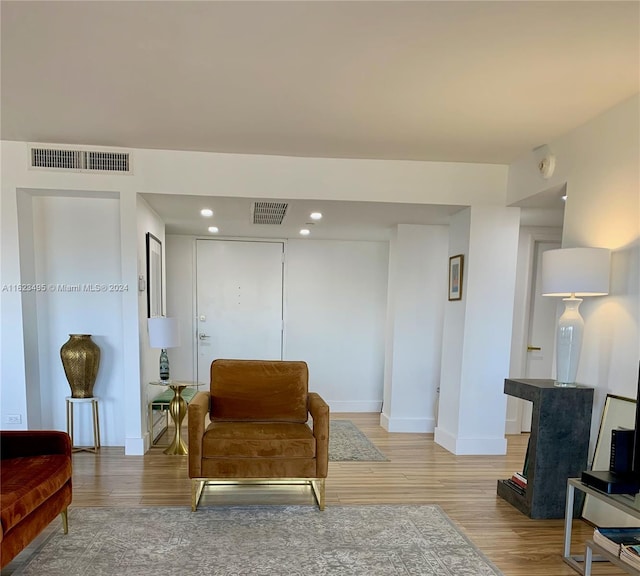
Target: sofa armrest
16 443
319 411
197 412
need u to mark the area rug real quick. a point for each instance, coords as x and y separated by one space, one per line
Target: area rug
381 540
348 444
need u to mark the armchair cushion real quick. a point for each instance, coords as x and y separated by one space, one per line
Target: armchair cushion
258 440
258 390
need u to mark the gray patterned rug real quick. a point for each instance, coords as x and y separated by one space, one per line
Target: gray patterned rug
348 444
259 541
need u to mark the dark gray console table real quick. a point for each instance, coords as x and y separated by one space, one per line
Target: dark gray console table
558 446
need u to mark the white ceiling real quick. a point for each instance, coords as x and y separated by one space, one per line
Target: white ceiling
340 220
450 81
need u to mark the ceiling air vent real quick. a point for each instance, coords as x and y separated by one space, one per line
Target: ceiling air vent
108 161
80 160
48 158
269 212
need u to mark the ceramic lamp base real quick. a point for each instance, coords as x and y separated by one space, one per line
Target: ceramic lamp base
569 343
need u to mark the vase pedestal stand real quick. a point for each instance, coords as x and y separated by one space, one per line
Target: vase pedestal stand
96 422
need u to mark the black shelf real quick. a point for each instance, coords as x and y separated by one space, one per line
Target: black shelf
558 446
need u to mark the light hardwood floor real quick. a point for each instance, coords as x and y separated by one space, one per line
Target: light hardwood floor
418 472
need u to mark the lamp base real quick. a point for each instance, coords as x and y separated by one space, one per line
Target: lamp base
569 342
565 384
164 365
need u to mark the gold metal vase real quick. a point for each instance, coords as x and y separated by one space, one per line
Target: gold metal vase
80 358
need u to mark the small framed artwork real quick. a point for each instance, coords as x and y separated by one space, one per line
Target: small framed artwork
456 265
154 276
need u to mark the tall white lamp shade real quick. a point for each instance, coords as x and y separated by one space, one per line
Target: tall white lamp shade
164 333
573 273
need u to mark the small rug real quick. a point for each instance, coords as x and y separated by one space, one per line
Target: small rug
348 444
260 541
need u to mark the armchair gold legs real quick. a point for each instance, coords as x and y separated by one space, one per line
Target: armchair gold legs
65 521
318 492
198 484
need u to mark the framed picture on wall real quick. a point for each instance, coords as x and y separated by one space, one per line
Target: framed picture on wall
456 265
154 276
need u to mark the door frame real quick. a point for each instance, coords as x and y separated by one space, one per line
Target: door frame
522 313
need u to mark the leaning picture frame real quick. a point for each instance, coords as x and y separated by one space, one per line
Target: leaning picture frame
456 267
154 276
618 412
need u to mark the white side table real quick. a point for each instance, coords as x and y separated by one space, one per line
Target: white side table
96 422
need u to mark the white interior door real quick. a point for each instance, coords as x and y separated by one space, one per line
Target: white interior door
239 301
542 328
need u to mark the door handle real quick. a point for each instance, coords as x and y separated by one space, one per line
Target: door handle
203 336
533 348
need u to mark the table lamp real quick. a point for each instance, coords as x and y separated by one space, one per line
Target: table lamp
573 273
164 333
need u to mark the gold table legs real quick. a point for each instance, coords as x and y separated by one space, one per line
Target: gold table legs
96 422
178 410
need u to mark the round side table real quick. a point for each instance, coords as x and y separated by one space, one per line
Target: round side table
178 410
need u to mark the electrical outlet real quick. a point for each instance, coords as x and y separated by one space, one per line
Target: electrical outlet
14 419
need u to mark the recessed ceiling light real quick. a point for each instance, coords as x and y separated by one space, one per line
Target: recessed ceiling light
305 232
315 215
213 229
206 212
564 197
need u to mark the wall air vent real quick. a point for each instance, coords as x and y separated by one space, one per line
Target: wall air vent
269 212
80 160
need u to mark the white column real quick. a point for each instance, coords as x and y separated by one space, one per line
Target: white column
134 442
477 332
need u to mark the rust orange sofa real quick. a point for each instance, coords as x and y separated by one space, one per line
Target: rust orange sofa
35 485
258 429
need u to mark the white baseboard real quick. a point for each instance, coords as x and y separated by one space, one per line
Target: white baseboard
512 427
355 406
412 425
470 446
136 446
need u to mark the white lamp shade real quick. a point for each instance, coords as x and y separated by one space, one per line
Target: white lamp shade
579 271
164 332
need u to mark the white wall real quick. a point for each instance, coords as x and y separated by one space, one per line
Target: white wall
335 312
599 163
74 246
415 313
181 292
453 330
335 298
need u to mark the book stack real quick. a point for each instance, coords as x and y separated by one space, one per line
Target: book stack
613 540
630 553
518 482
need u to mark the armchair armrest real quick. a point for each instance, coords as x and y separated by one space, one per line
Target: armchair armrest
319 411
197 412
16 443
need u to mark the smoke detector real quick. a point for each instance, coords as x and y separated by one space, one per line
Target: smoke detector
547 165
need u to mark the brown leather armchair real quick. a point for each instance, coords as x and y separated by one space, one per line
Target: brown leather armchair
258 431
